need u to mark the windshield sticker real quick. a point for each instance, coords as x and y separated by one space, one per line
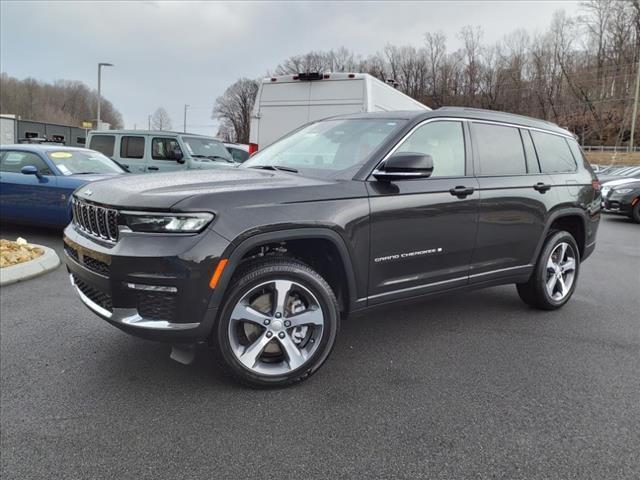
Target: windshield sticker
60 155
64 169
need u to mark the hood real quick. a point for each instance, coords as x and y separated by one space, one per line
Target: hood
94 177
158 191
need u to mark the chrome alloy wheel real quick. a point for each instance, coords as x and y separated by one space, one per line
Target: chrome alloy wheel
276 327
561 271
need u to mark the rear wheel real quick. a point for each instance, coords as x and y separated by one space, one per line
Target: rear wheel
554 278
635 212
278 323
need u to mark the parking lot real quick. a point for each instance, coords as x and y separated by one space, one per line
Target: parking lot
473 387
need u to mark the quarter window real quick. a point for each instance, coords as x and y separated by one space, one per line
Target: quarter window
132 147
499 149
554 153
164 148
103 144
14 161
444 141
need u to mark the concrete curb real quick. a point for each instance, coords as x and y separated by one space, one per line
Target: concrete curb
44 263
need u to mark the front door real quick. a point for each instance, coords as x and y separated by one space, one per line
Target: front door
29 198
423 231
163 155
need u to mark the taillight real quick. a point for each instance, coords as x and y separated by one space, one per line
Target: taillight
253 148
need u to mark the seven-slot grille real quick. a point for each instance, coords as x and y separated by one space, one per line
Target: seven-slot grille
95 220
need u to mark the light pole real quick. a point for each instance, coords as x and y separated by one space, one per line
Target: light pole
100 65
635 109
185 117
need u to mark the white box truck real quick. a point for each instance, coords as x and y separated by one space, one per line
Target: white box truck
286 102
8 129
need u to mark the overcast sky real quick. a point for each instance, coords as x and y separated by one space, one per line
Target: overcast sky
171 53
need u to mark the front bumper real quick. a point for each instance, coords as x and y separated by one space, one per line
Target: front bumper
151 286
617 204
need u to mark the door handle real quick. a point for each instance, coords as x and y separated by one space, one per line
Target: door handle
541 187
152 168
461 191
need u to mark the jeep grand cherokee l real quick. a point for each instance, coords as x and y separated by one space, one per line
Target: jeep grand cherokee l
344 214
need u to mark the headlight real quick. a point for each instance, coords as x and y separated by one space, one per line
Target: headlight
167 222
623 190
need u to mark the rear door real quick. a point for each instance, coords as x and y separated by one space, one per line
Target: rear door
283 108
163 158
515 199
328 98
29 198
422 233
132 152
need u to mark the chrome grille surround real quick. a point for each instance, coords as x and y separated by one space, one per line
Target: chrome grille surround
95 220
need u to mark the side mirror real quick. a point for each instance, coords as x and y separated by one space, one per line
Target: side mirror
405 166
177 154
30 170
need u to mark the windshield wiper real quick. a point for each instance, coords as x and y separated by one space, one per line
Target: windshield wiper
84 173
275 167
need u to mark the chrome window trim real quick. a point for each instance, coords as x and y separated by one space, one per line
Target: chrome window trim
462 120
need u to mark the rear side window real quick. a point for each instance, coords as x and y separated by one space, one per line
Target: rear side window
132 147
499 149
553 153
530 151
13 161
444 141
103 144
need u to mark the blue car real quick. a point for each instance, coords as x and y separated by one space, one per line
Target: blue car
36 181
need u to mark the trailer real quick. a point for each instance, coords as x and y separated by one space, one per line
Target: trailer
284 103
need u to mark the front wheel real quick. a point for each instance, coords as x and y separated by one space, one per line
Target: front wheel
278 323
555 276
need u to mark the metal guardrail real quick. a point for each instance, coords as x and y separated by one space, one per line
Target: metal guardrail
602 148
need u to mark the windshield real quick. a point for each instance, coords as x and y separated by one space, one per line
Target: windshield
77 162
326 148
202 148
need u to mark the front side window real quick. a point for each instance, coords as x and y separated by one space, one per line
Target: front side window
238 154
132 147
79 162
14 161
444 141
103 144
500 149
328 148
553 153
164 148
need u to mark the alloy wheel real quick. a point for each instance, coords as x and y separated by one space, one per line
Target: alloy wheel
561 271
276 327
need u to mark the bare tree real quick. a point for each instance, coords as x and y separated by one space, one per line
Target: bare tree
233 109
579 73
65 101
160 119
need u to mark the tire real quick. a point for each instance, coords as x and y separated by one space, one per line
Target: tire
544 290
264 342
635 213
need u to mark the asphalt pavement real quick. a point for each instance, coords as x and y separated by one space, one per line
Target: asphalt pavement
466 386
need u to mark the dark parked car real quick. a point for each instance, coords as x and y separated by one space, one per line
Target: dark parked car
624 199
348 213
36 181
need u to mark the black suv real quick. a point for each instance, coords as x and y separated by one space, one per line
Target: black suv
262 261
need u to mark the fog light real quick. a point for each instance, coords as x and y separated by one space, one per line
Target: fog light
151 288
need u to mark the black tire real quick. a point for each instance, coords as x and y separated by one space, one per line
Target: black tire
534 292
249 277
635 213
